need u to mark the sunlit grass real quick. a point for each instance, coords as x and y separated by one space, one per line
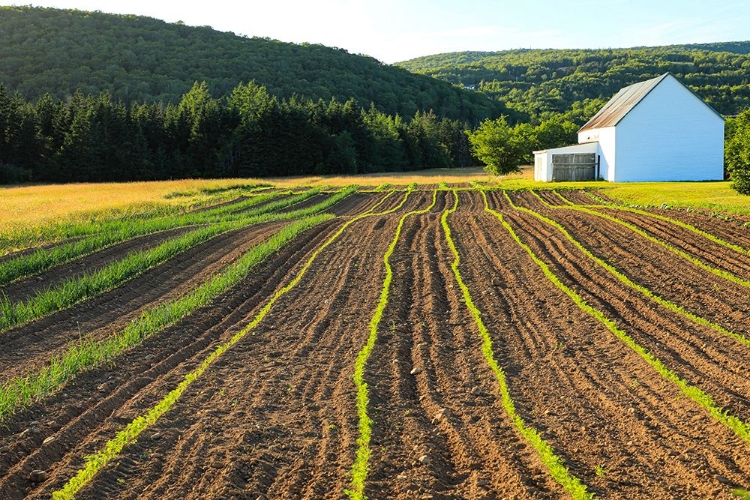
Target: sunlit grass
714 196
37 205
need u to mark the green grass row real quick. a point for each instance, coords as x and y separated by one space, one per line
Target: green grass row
90 223
628 282
554 463
742 429
131 432
676 222
118 231
713 270
86 354
361 467
75 290
21 391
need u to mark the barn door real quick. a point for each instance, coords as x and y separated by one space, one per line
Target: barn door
573 167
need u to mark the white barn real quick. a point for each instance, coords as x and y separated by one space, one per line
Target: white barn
657 130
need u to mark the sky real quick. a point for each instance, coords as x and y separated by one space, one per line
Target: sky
397 30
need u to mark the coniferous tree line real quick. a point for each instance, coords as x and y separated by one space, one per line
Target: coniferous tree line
250 133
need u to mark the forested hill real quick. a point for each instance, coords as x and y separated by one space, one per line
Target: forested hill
141 59
539 81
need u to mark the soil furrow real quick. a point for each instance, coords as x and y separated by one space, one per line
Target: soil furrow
75 416
711 253
652 266
449 411
578 391
696 353
276 394
27 347
731 229
25 288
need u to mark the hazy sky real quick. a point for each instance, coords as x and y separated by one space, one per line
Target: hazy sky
396 30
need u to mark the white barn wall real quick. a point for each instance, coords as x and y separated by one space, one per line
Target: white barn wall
607 155
669 136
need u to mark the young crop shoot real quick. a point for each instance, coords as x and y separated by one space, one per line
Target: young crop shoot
627 281
131 432
684 225
549 458
713 270
19 392
740 428
361 462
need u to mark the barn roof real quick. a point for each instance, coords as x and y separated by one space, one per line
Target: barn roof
625 100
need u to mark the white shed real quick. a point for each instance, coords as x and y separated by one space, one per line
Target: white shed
656 130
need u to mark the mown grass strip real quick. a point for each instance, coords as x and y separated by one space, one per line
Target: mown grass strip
739 427
676 222
554 464
361 466
131 432
119 231
88 285
713 270
628 282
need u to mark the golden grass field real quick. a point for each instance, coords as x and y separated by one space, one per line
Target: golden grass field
31 206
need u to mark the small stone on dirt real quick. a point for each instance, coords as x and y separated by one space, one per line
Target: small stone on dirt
416 371
723 479
5 449
440 414
156 436
482 482
37 476
424 459
48 439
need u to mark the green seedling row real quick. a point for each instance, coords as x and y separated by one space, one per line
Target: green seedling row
715 271
131 432
628 282
742 429
108 218
684 225
360 467
88 285
119 231
549 458
87 354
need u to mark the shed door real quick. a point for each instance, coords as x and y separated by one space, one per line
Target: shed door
573 167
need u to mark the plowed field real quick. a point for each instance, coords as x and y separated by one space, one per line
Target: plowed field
510 345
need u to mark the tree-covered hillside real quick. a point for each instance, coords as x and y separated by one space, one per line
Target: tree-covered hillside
537 82
140 59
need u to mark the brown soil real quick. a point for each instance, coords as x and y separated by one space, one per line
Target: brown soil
656 268
29 346
275 416
591 397
730 229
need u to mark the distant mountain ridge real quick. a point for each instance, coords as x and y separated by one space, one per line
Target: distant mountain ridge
141 59
536 82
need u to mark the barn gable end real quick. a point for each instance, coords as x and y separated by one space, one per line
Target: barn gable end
656 130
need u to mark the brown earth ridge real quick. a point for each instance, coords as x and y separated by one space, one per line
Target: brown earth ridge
276 415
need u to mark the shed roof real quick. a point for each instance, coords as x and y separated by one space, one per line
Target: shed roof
626 99
621 104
